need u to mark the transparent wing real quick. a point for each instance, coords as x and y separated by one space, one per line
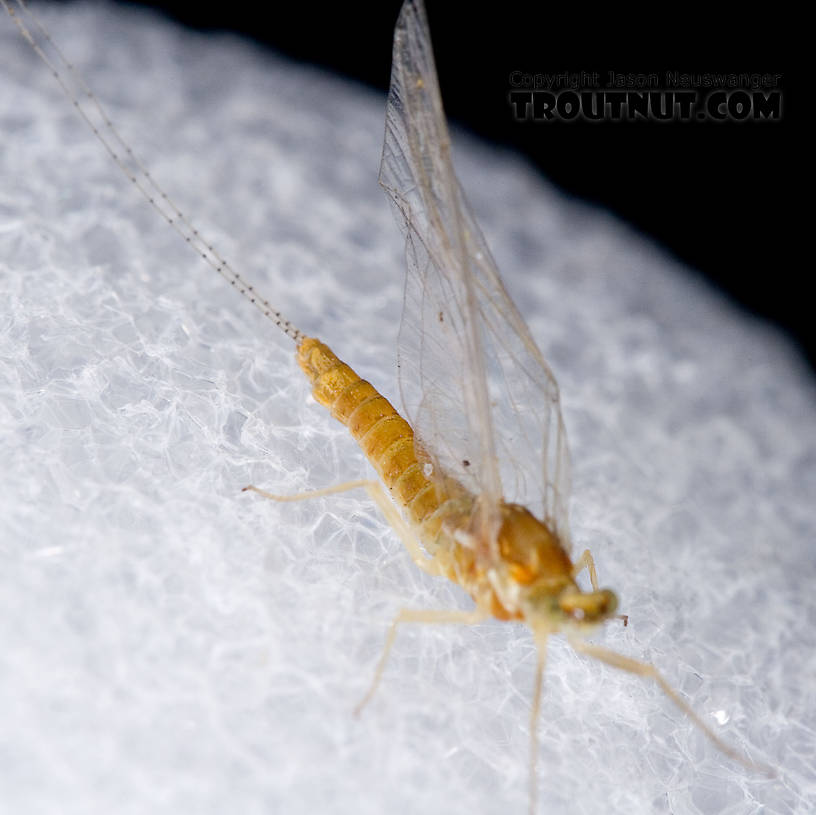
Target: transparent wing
483 402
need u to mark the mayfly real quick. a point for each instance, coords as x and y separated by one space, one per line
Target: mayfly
476 488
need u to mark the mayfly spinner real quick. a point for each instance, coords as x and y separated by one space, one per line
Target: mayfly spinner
477 489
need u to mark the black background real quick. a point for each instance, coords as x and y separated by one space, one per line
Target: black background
717 195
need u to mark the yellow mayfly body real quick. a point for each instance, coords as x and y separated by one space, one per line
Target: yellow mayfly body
477 489
466 359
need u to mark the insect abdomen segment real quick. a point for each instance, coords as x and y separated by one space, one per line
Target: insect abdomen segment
384 436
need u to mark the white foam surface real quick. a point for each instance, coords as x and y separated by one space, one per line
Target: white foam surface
169 645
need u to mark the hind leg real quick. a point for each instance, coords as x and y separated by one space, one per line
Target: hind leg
384 503
346 486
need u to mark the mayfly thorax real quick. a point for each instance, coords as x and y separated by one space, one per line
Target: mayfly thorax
477 490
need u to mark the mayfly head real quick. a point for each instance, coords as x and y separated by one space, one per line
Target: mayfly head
587 608
539 574
569 609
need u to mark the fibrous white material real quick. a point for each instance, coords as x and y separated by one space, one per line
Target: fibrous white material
168 644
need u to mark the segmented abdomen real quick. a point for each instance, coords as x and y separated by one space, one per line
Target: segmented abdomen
384 436
527 550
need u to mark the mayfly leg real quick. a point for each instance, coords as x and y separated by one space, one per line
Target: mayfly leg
384 504
586 561
413 615
88 106
409 539
346 486
648 671
535 714
412 544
